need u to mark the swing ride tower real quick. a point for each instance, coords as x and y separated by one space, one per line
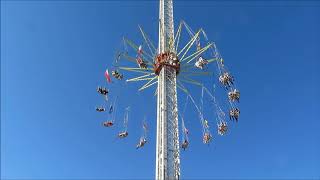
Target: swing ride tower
170 67
167 68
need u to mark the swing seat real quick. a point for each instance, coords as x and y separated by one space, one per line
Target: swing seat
185 144
108 124
100 109
207 138
123 134
141 63
141 143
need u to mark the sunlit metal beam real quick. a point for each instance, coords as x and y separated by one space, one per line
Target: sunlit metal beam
139 70
140 78
189 44
136 47
148 41
149 83
197 53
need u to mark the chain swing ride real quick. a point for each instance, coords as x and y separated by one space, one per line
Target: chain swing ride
171 66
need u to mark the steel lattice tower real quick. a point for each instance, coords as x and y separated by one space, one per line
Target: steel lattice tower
167 149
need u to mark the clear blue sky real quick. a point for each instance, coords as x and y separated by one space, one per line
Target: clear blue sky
53 55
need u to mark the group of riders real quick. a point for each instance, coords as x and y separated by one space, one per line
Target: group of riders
207 137
226 79
104 91
233 95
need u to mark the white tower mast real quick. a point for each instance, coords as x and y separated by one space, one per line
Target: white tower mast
167 150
